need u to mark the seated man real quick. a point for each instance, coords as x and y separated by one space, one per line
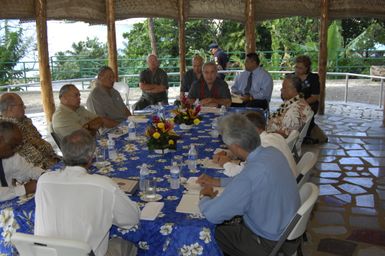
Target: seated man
104 100
14 169
294 111
33 148
212 91
265 193
254 85
70 116
267 140
194 74
76 205
153 83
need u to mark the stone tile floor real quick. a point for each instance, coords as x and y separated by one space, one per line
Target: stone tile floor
348 218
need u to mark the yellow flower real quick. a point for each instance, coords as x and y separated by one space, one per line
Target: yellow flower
156 135
196 121
161 125
171 120
170 142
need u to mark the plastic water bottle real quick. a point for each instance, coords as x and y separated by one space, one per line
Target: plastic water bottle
214 126
175 176
222 111
111 148
161 110
192 158
143 179
131 130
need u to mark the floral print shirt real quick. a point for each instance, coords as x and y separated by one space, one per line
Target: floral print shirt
291 115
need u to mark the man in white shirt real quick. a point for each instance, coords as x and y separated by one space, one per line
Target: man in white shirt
14 168
76 205
267 140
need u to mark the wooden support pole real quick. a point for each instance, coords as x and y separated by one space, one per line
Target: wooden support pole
323 53
111 36
44 70
182 39
250 25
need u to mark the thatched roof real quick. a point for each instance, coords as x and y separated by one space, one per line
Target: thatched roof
93 11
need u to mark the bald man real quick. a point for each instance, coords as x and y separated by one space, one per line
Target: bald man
153 83
33 148
194 74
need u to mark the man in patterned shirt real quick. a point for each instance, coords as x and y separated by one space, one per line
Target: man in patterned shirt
33 148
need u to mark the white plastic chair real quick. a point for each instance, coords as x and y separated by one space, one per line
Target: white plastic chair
307 162
292 139
297 226
30 245
301 136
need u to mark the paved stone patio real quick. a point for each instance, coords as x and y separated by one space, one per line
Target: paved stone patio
348 218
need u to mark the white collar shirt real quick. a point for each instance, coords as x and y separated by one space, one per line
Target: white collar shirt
17 168
76 205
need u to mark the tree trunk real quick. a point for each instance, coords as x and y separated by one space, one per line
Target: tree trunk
151 34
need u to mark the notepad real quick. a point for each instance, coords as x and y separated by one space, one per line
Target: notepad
151 210
210 110
236 98
127 185
189 204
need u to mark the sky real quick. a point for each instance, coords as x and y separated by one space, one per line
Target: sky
61 34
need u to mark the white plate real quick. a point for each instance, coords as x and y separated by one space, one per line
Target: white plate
152 199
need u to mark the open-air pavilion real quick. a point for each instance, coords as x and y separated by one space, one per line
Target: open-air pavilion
349 215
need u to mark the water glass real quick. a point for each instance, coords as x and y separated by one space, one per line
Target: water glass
150 189
179 161
100 154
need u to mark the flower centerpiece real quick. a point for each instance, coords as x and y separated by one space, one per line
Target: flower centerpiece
186 113
161 134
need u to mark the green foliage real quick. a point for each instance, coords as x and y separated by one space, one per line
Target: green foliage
335 41
83 60
13 47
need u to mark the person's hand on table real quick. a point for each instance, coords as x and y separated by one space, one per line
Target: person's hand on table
208 191
207 181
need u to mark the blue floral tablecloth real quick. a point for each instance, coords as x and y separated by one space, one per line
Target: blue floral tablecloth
171 233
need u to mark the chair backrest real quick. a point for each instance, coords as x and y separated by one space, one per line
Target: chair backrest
30 245
292 139
297 226
55 136
305 164
302 135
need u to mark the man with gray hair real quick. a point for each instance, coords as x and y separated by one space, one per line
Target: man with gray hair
211 91
153 83
265 193
104 100
73 204
294 111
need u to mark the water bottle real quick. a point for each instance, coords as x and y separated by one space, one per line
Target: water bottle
111 148
175 176
222 111
192 158
161 110
143 179
131 130
214 126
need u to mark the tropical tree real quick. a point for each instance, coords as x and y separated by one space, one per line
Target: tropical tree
83 60
13 47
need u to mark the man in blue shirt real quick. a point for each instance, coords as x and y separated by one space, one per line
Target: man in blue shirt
254 85
265 194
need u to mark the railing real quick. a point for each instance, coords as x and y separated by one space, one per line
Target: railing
89 80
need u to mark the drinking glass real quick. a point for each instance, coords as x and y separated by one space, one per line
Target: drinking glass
179 161
150 189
